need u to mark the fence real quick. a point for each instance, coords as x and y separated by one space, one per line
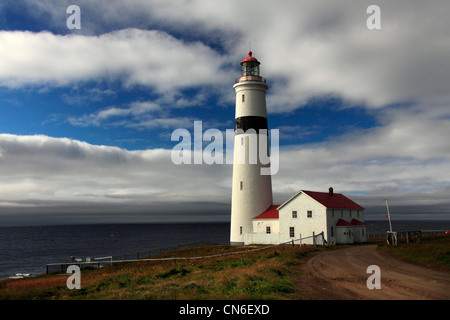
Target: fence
151 252
131 256
408 235
96 263
403 233
316 239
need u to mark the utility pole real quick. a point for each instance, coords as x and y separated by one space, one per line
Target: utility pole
389 214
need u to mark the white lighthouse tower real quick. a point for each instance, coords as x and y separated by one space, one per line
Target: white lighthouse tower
251 190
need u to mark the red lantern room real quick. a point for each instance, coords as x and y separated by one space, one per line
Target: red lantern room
250 70
250 66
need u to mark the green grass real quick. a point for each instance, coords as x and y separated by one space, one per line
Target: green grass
264 274
432 251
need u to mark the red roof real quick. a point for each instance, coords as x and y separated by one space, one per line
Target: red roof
358 223
270 213
333 200
250 58
343 223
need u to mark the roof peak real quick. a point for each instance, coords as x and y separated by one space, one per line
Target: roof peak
335 201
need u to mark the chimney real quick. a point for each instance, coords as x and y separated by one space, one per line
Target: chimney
330 191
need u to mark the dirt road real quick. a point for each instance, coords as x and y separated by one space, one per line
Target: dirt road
342 274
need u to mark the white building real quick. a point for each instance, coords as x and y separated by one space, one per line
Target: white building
307 213
254 218
251 191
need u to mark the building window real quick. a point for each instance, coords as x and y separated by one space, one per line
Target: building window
342 213
294 214
291 232
332 213
332 232
241 185
242 141
243 97
268 229
358 213
309 214
240 230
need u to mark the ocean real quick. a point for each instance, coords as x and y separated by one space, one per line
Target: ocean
29 249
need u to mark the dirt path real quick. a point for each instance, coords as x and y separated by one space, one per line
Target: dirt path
341 274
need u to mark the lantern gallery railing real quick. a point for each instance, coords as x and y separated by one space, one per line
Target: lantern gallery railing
250 78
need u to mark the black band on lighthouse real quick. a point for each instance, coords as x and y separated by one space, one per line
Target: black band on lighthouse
250 122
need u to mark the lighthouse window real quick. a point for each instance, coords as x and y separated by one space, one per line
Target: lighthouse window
268 229
291 232
240 230
294 214
242 185
309 214
243 97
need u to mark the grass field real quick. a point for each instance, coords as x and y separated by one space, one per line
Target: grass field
432 251
264 274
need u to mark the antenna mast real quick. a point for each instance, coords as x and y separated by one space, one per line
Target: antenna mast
389 214
391 236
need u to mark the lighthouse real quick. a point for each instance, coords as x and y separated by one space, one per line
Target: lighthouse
251 190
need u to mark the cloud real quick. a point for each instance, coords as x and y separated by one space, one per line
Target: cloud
307 48
57 170
310 48
81 96
406 154
139 57
42 173
139 114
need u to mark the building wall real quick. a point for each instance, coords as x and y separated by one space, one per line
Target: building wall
359 234
261 238
333 215
247 202
251 191
254 101
303 224
321 220
344 235
260 225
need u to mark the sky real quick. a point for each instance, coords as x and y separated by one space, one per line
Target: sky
87 115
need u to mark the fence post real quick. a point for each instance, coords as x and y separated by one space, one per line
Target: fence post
300 240
314 239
